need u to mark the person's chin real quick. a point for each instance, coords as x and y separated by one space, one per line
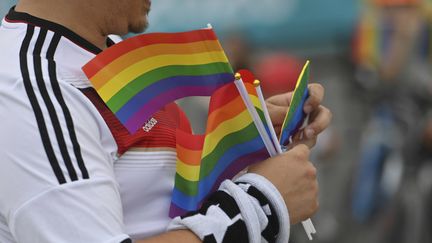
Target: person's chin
138 27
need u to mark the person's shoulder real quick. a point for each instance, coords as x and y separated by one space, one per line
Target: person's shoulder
11 40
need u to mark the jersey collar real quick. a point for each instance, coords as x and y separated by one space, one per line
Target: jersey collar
74 47
19 17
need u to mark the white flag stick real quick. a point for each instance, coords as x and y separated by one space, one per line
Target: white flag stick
267 116
252 111
309 221
309 228
307 224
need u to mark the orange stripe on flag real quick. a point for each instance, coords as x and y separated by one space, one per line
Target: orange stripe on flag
139 54
131 44
224 113
187 156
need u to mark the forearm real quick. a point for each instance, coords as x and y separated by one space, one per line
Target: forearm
173 237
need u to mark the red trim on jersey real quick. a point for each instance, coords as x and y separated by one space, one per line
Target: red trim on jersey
162 135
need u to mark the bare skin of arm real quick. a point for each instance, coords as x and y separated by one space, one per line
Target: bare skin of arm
173 237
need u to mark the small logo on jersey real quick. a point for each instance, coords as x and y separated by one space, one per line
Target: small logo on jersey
149 124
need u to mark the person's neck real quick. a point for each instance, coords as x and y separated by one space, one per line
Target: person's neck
71 15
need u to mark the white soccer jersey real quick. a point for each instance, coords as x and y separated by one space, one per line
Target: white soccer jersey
69 171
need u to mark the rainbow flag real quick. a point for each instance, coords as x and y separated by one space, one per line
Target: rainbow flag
366 49
295 116
373 37
231 143
140 75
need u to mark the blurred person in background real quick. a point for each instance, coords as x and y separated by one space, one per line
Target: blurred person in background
394 74
239 50
72 173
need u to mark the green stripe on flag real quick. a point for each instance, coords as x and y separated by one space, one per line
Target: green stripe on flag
239 137
149 78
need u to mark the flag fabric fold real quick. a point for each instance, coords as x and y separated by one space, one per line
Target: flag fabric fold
140 75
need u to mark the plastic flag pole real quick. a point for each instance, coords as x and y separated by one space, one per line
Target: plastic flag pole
267 116
257 120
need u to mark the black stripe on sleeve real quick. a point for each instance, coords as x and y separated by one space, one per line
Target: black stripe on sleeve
36 107
271 231
225 201
58 94
127 241
50 106
236 230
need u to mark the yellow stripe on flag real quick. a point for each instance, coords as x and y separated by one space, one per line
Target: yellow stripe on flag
120 80
132 57
189 172
230 126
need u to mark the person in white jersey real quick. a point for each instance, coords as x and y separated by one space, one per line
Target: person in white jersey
71 173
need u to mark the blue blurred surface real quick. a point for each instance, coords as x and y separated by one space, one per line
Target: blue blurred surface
5 6
294 23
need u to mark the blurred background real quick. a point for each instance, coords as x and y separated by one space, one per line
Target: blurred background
374 59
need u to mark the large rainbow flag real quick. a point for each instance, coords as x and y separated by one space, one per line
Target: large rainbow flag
231 143
295 115
140 75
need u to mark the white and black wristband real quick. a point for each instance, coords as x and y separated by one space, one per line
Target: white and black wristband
277 203
250 210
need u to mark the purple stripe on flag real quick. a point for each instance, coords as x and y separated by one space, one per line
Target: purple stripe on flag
176 211
173 85
156 89
146 111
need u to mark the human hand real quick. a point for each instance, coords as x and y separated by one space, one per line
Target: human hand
319 118
295 178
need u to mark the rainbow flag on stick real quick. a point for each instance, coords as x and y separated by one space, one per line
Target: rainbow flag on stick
231 143
295 115
140 75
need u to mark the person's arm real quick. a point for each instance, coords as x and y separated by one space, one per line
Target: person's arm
254 206
291 173
175 236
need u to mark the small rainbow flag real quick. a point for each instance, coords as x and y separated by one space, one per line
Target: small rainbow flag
231 143
140 75
295 115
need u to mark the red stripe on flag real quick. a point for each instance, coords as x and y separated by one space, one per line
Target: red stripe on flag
190 141
230 93
247 76
131 44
